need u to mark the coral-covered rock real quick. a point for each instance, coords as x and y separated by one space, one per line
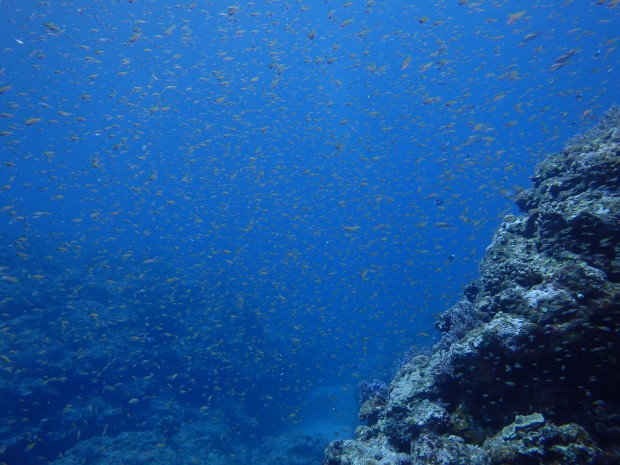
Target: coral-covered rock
527 370
530 439
433 449
370 410
375 451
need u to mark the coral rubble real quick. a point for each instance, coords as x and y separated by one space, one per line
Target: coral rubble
527 368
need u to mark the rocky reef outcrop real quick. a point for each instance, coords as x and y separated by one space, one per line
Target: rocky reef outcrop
527 370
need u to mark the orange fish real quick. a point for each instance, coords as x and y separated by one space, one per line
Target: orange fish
405 63
513 17
134 38
426 66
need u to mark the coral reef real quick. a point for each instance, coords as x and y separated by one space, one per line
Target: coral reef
527 368
198 442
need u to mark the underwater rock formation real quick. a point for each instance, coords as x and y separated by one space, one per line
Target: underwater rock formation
200 442
527 370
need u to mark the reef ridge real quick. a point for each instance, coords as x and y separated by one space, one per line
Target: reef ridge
526 371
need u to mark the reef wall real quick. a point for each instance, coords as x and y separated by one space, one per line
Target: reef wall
527 370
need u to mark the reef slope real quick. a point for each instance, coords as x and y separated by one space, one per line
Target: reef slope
526 371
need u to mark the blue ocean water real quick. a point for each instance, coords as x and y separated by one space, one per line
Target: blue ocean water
217 218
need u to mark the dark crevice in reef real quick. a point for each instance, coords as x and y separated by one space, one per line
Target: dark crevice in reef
527 370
